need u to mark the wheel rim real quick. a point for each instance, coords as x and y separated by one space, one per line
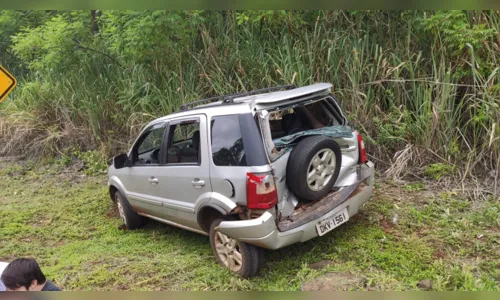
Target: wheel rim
121 212
228 251
321 168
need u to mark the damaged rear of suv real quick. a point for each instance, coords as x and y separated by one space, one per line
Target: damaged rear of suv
262 169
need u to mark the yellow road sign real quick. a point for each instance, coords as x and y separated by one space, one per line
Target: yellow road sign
7 83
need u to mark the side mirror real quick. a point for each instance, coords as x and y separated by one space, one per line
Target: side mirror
120 161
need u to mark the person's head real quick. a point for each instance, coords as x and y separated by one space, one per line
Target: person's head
23 274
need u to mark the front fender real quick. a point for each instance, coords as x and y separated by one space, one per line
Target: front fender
115 182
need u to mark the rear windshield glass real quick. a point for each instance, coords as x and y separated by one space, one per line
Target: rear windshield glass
227 141
289 121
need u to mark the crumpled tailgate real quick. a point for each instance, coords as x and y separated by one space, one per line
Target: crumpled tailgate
320 208
265 231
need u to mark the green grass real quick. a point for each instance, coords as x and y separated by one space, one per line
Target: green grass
417 186
438 170
67 222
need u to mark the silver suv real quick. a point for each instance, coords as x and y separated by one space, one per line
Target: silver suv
261 169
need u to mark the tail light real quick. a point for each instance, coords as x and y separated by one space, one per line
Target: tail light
362 151
261 191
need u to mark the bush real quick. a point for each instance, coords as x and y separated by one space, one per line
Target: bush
93 79
95 162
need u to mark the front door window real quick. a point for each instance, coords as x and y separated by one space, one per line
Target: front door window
147 150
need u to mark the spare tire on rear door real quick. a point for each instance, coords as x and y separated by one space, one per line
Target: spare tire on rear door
313 167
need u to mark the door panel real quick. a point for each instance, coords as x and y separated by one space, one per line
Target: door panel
142 192
185 176
146 157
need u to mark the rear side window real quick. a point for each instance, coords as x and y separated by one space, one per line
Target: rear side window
227 141
184 143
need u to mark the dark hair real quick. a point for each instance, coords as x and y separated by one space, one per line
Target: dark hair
21 272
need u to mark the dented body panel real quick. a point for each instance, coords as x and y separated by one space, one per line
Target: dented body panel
271 233
331 131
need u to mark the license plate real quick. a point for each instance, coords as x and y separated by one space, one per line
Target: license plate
329 224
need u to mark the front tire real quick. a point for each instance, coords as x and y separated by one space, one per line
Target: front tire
241 258
130 218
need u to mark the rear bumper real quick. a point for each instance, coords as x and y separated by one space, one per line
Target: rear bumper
264 232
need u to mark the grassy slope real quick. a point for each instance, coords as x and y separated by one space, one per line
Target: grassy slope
67 222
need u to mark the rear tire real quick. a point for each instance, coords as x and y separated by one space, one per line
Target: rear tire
241 258
313 167
130 218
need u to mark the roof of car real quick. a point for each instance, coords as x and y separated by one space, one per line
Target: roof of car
279 96
248 102
235 108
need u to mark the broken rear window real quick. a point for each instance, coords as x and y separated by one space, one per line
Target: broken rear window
289 121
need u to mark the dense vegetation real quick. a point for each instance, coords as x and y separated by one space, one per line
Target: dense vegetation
423 87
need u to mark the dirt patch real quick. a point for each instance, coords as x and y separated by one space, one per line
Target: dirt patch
41 222
112 212
59 243
7 258
386 226
320 264
335 282
439 254
425 285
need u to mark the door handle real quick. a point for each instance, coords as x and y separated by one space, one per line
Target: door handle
198 183
153 180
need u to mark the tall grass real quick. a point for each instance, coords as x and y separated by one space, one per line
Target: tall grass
401 94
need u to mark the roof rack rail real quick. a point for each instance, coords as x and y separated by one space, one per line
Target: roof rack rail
227 99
